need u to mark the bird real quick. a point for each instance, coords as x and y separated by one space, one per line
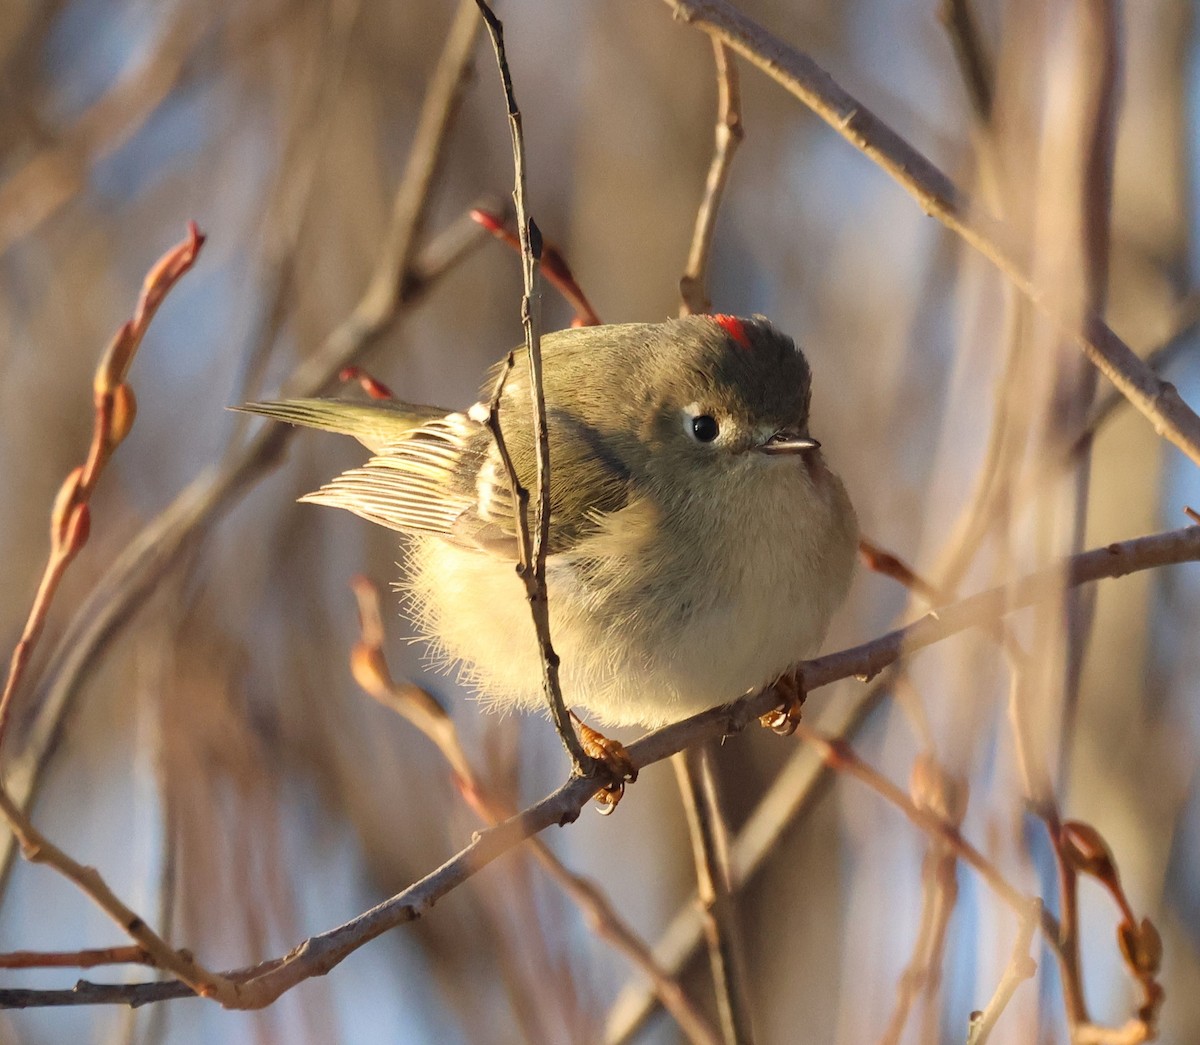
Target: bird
698 542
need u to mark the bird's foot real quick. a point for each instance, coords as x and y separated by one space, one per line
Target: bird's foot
612 754
783 719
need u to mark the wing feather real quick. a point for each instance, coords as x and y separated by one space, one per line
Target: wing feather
445 477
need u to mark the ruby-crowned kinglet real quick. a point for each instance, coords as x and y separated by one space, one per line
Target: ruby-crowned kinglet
698 543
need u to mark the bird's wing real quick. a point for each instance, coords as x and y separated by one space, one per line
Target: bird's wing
446 477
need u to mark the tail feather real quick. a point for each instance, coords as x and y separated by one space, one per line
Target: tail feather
375 425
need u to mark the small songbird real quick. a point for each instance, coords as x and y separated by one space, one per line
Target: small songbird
698 543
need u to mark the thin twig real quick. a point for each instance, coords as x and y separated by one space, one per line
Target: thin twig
880 560
939 197
319 954
710 855
693 292
1113 560
1082 850
534 545
1184 322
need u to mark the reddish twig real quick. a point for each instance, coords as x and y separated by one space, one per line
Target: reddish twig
553 265
1082 850
876 559
115 409
375 388
85 959
69 523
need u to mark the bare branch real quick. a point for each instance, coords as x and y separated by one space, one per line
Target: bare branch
36 848
1113 560
552 264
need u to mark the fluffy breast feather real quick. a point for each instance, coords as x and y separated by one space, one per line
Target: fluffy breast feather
651 624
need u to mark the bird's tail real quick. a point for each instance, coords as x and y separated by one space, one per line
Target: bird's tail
375 425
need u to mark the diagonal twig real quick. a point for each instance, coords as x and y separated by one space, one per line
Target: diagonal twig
552 264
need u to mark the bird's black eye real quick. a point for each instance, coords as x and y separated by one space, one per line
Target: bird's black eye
705 428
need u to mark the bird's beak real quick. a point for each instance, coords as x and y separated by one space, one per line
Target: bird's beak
789 441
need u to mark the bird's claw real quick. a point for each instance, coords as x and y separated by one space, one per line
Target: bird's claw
783 719
615 759
608 797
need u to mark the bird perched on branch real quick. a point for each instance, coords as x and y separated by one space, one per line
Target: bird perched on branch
698 542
